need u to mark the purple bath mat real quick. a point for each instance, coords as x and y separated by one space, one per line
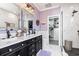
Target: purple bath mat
44 53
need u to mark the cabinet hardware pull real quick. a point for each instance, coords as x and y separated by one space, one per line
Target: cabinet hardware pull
22 44
10 50
32 40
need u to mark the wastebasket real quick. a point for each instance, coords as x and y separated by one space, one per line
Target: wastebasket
68 45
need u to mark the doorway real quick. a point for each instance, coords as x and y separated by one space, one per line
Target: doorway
53 27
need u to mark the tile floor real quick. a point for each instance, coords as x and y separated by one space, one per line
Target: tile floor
54 49
53 42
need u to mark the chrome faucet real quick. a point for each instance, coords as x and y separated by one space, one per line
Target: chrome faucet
8 33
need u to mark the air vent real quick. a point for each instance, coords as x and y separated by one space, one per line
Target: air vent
48 5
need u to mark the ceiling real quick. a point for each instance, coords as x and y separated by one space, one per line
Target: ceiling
45 6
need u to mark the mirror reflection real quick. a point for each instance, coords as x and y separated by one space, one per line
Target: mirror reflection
8 24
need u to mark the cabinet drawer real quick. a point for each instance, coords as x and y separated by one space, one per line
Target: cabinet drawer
9 49
31 47
21 50
30 41
38 38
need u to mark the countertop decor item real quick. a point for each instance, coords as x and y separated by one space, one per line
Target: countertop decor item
19 33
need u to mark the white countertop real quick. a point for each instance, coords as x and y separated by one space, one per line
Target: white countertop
11 41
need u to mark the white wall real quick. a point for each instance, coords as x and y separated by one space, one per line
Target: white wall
44 24
71 24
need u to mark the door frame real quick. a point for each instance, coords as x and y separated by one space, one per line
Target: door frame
48 26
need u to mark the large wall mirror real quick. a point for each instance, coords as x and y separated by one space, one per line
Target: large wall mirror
28 20
14 17
8 18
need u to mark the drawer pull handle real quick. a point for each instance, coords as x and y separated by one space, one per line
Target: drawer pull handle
32 40
10 50
39 41
22 44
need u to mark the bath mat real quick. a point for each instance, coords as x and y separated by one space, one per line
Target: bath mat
44 53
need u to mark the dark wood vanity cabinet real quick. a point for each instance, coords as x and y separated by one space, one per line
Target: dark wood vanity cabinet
38 44
31 50
29 47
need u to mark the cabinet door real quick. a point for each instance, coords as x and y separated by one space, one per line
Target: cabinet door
37 47
20 51
23 52
31 49
38 43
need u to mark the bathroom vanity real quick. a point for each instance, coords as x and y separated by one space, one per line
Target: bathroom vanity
21 46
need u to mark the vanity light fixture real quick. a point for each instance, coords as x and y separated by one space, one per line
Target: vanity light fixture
29 7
